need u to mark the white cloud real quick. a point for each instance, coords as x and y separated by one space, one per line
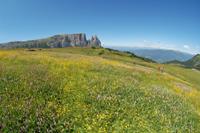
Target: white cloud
144 43
186 46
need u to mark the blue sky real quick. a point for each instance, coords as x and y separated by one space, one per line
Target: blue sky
172 24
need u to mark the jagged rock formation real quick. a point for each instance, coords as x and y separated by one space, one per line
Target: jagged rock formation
94 41
57 41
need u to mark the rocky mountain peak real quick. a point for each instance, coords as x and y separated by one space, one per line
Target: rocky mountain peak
57 41
95 41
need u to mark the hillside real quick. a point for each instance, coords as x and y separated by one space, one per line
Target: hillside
159 55
57 41
194 62
95 90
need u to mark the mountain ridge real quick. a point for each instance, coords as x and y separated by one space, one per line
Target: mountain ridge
194 62
158 55
56 41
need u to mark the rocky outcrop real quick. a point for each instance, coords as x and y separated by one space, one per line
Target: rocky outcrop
67 40
95 41
57 41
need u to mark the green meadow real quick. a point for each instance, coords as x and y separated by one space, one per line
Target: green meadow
95 90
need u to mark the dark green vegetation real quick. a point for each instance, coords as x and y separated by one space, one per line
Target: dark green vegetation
191 63
131 55
194 62
95 90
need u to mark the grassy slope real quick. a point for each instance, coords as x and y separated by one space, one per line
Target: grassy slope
95 90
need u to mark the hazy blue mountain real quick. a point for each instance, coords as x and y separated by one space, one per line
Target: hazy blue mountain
159 55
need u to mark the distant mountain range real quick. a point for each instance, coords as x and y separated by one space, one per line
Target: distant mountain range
158 55
57 41
191 63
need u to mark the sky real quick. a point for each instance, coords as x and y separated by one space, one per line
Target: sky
170 24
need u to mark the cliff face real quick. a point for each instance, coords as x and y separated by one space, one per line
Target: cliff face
95 41
67 40
57 41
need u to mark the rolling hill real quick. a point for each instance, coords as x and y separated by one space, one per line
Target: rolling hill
159 55
194 62
95 90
